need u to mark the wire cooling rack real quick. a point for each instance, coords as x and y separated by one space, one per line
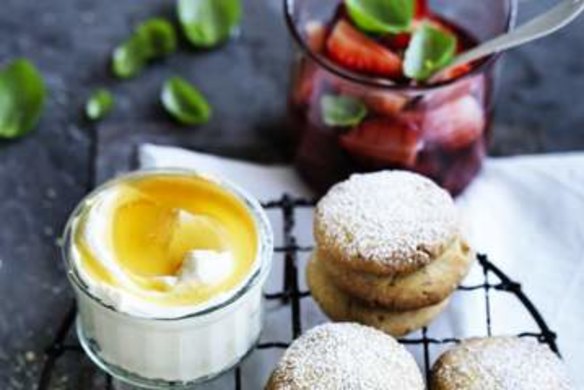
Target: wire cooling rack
292 295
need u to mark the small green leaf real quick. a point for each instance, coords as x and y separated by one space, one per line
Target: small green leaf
430 50
152 39
22 97
99 105
208 23
159 36
129 58
381 16
342 110
184 102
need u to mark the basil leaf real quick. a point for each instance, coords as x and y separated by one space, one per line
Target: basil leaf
152 39
99 105
22 98
430 50
129 58
342 110
158 36
207 23
184 102
381 16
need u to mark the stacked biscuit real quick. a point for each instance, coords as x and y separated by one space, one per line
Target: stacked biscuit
389 251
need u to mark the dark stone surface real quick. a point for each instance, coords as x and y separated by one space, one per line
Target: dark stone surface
43 175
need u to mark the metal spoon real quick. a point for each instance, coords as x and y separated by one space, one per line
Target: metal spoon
543 25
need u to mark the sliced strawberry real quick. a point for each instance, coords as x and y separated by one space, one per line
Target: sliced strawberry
380 142
356 51
386 103
315 35
382 102
455 125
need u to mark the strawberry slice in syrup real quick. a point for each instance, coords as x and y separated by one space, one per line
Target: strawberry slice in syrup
354 50
455 125
381 142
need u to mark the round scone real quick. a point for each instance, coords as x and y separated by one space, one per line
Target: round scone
425 287
339 306
500 363
386 223
346 356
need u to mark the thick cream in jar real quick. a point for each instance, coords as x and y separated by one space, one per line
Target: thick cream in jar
168 269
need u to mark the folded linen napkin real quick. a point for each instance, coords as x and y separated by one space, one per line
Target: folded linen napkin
524 212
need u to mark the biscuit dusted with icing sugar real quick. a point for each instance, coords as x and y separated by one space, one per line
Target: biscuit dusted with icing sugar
385 223
346 356
500 363
425 287
339 306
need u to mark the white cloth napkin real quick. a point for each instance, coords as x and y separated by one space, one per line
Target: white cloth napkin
526 213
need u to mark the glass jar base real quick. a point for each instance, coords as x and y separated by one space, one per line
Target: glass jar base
128 378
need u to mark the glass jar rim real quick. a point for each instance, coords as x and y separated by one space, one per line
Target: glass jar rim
265 241
377 82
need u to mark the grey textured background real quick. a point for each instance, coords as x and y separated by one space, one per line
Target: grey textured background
42 176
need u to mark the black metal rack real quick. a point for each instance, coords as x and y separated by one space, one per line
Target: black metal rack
494 280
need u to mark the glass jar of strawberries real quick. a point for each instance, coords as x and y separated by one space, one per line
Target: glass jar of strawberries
363 98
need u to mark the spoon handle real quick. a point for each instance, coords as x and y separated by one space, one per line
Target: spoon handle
545 24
